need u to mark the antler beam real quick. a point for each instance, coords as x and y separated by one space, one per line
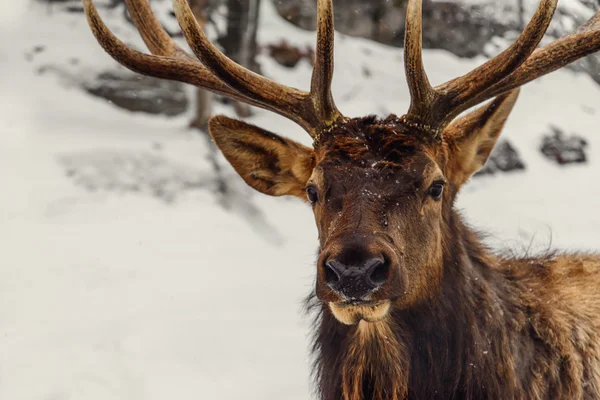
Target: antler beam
421 92
434 108
170 61
315 111
322 76
457 93
547 59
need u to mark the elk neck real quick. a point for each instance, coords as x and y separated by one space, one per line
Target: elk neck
449 344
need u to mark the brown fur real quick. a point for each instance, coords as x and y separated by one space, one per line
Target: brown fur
464 323
270 164
497 329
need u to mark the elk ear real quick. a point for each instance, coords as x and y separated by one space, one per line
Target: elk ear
269 163
471 138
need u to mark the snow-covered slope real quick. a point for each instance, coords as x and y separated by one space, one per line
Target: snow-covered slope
108 296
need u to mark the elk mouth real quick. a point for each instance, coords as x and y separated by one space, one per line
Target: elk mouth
352 312
366 303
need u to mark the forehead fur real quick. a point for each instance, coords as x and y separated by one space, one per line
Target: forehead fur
361 141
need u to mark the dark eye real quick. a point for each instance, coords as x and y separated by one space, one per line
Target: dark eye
436 190
312 194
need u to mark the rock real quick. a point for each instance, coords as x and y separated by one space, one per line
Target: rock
464 31
74 9
288 55
465 28
504 158
562 149
139 93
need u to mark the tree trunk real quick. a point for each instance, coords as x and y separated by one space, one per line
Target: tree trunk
251 44
203 107
521 7
240 41
377 14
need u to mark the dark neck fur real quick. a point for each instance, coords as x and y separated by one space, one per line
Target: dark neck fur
450 346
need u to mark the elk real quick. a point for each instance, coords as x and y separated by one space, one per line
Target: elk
409 303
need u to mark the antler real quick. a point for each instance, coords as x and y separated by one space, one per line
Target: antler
433 108
560 53
315 111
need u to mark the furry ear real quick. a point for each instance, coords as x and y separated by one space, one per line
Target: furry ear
268 162
471 138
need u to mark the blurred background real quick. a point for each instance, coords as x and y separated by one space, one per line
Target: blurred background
135 264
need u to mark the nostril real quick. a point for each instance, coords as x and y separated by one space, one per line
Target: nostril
332 275
378 272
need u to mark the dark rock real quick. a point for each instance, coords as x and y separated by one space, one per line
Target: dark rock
140 93
74 9
465 29
488 169
288 55
504 158
564 149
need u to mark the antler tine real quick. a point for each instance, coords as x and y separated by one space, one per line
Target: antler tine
455 94
314 111
182 68
421 92
433 108
323 70
293 103
562 52
156 38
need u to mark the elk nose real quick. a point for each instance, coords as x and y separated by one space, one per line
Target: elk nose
356 282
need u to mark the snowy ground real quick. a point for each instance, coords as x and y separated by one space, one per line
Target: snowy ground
122 296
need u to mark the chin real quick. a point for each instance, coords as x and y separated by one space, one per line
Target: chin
351 313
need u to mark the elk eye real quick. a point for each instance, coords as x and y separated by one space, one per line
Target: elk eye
436 190
312 194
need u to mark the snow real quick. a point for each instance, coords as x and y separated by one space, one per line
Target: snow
124 296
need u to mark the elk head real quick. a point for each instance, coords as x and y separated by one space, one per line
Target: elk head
380 189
